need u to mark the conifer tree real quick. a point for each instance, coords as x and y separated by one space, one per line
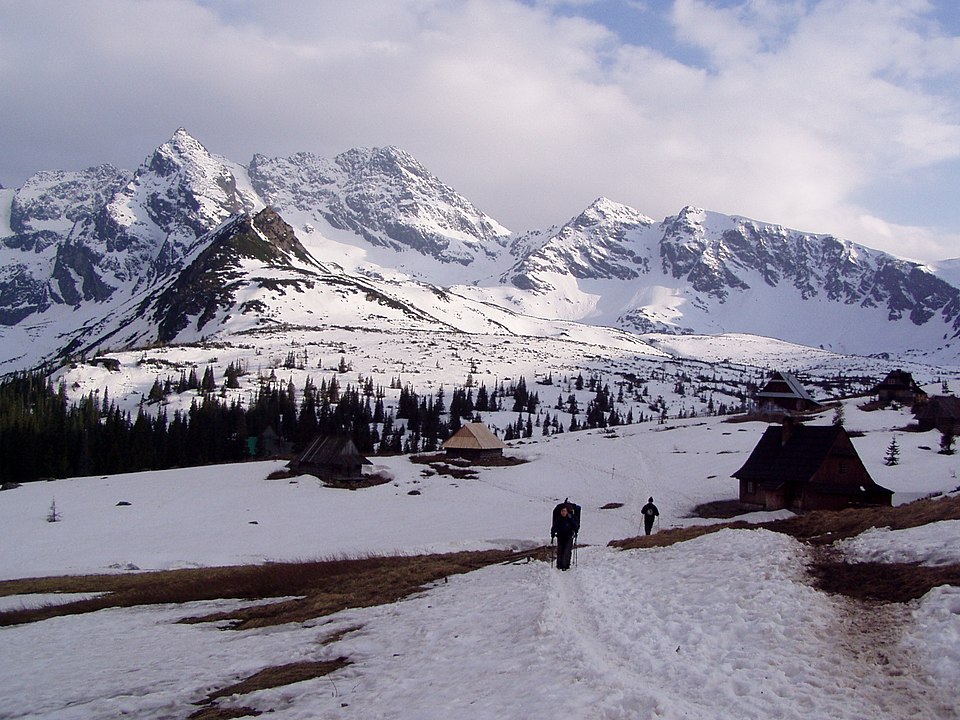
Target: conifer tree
893 452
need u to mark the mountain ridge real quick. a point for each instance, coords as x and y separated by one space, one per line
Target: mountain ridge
79 246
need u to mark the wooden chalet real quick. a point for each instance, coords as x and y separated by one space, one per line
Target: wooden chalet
803 468
784 393
939 412
474 441
331 457
899 386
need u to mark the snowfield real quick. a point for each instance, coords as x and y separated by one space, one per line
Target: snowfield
725 626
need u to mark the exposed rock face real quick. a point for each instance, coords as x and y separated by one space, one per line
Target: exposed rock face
386 197
165 250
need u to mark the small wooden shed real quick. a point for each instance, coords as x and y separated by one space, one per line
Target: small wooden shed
899 386
802 468
785 392
474 441
331 457
939 412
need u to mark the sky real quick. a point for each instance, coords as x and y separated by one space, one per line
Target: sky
830 116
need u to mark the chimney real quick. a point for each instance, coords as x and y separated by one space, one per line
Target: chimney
786 429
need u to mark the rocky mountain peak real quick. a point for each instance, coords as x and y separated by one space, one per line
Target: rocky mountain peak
604 210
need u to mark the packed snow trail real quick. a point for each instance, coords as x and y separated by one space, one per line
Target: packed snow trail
636 635
639 635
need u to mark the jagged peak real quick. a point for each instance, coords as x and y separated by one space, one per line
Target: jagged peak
604 208
182 149
388 159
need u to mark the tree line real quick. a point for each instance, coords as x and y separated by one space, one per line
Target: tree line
45 435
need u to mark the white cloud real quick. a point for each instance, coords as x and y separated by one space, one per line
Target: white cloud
798 107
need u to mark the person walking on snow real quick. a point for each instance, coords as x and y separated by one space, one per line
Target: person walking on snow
650 513
564 529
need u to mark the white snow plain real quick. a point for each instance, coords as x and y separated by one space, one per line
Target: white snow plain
726 626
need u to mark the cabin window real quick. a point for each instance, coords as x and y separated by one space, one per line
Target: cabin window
842 468
751 487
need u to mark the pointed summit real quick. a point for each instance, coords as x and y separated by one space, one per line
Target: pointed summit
604 210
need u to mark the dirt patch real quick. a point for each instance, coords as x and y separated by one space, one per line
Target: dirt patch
366 481
488 461
887 582
724 509
321 587
271 677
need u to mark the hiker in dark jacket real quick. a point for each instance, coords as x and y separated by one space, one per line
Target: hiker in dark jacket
564 529
650 513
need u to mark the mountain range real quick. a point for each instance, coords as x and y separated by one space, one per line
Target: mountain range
191 245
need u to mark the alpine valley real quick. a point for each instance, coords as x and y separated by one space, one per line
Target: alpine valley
368 256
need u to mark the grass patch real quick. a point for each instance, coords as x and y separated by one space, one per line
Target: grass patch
889 582
321 587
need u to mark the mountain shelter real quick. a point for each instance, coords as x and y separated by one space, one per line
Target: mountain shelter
331 457
939 412
802 468
899 386
473 441
784 392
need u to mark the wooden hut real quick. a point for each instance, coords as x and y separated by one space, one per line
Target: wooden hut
474 441
899 386
939 412
802 468
785 393
331 457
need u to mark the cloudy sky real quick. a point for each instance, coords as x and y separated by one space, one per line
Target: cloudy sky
838 116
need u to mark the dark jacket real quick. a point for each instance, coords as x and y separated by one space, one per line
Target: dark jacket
564 527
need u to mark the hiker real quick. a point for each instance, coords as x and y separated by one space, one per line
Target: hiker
650 513
566 525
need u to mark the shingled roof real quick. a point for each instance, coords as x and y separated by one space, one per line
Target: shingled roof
332 450
797 459
474 436
785 385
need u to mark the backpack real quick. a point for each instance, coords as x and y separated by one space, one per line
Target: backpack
573 511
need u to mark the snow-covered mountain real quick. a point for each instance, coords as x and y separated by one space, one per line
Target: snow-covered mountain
703 272
183 248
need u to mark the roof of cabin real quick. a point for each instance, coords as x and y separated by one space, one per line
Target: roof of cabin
796 460
474 436
332 450
785 385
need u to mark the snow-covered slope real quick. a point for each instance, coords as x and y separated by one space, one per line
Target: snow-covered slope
87 256
727 626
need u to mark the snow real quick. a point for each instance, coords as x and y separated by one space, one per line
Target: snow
725 626
6 205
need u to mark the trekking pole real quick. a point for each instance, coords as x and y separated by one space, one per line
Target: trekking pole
553 552
575 549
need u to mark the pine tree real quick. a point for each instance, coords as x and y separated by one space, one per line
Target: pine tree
838 415
893 452
946 442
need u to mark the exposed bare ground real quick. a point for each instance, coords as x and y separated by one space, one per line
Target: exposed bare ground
871 581
321 587
325 587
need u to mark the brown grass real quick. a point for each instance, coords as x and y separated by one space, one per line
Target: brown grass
889 582
321 587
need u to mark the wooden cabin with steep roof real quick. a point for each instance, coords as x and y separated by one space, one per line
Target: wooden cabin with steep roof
474 441
331 457
939 412
899 386
802 468
785 393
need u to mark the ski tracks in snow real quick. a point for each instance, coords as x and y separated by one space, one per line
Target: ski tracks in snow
605 673
656 637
